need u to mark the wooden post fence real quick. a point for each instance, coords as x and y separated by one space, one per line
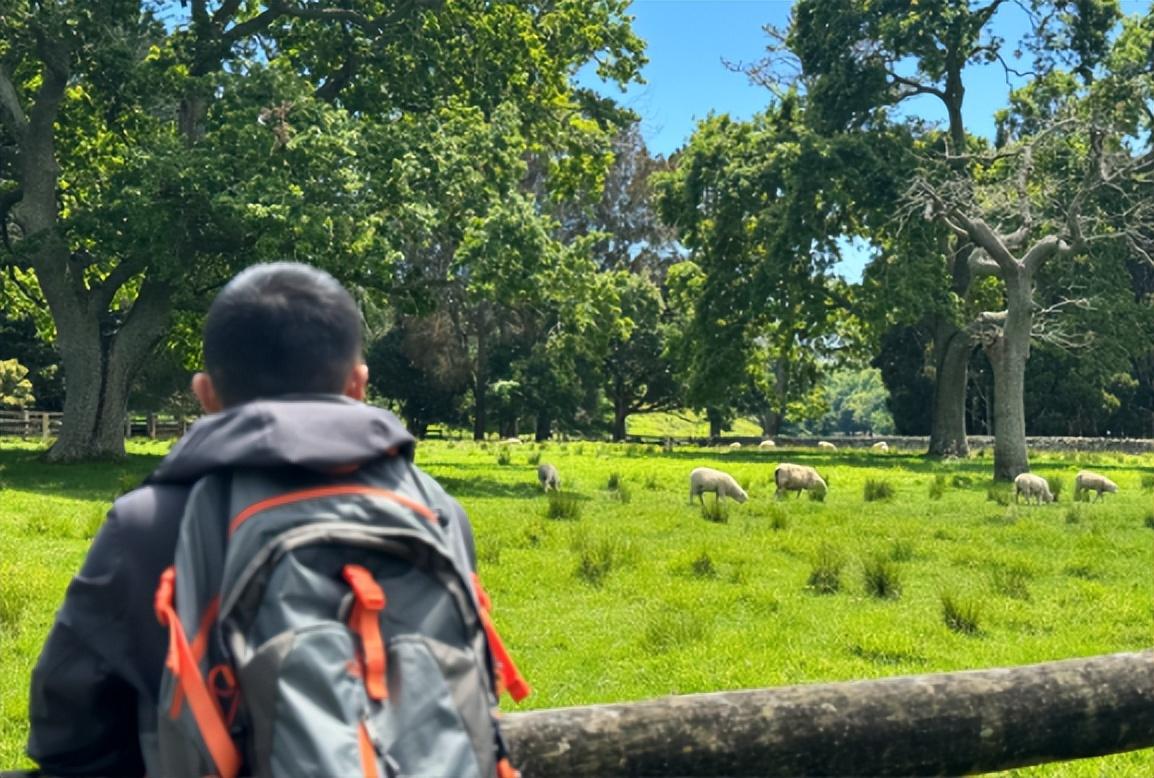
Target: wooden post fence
941 724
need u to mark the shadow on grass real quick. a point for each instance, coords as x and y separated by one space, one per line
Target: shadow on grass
27 471
487 487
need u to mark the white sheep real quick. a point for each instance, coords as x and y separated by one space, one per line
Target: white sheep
1089 481
767 444
735 444
881 446
1032 486
798 478
826 445
548 477
706 479
511 442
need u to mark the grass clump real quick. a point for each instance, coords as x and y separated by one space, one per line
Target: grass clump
14 599
1074 514
961 614
622 494
825 576
1149 520
1001 494
534 458
901 550
778 519
672 627
882 578
1055 484
614 481
563 505
1147 482
504 455
878 489
715 511
938 487
1012 581
961 481
597 557
651 483
703 566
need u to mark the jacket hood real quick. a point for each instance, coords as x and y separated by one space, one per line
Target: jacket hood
318 432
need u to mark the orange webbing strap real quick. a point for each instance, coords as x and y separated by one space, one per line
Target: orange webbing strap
510 676
368 753
506 770
365 620
185 668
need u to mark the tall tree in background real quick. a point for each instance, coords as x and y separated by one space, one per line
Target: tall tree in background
145 154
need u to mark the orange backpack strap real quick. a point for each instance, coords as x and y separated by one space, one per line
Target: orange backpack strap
185 668
509 676
365 620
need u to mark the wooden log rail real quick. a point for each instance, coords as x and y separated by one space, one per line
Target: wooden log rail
941 724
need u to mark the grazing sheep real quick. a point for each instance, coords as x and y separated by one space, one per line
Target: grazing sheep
1088 481
881 446
549 478
735 444
706 479
767 444
826 445
511 441
798 478
1032 486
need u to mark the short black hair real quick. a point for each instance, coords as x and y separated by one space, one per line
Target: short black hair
281 328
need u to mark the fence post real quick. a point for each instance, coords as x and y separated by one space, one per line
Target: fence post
152 426
44 426
25 428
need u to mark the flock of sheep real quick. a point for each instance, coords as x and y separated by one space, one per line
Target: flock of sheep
789 477
1035 487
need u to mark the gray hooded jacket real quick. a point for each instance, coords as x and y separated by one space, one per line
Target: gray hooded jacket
102 661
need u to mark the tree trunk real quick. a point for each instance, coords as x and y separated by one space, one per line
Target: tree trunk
98 371
480 386
544 427
1008 352
715 420
770 422
948 425
940 724
620 414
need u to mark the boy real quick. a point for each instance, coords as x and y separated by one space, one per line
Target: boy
283 388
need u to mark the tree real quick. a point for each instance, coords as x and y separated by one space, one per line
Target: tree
15 388
144 156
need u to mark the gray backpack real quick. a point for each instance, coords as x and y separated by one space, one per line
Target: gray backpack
324 626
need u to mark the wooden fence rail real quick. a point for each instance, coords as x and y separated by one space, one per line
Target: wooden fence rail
940 724
45 424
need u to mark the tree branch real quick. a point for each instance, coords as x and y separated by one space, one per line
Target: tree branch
11 112
916 88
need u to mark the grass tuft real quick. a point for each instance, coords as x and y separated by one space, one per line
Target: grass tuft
882 578
715 511
938 486
563 505
597 557
1147 482
878 489
1012 581
534 458
703 566
961 614
901 550
672 628
504 455
1055 483
1002 494
614 480
825 576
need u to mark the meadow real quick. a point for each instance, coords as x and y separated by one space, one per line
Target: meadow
619 589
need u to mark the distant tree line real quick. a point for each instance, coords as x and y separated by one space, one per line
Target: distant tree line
526 266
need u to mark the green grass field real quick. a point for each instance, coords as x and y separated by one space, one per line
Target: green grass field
639 595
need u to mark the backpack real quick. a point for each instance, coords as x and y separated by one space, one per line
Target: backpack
323 626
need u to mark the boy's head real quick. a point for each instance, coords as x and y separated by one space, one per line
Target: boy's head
276 329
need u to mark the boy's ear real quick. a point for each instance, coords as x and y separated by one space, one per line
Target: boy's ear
357 382
205 392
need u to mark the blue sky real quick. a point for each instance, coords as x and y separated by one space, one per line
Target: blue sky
687 41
